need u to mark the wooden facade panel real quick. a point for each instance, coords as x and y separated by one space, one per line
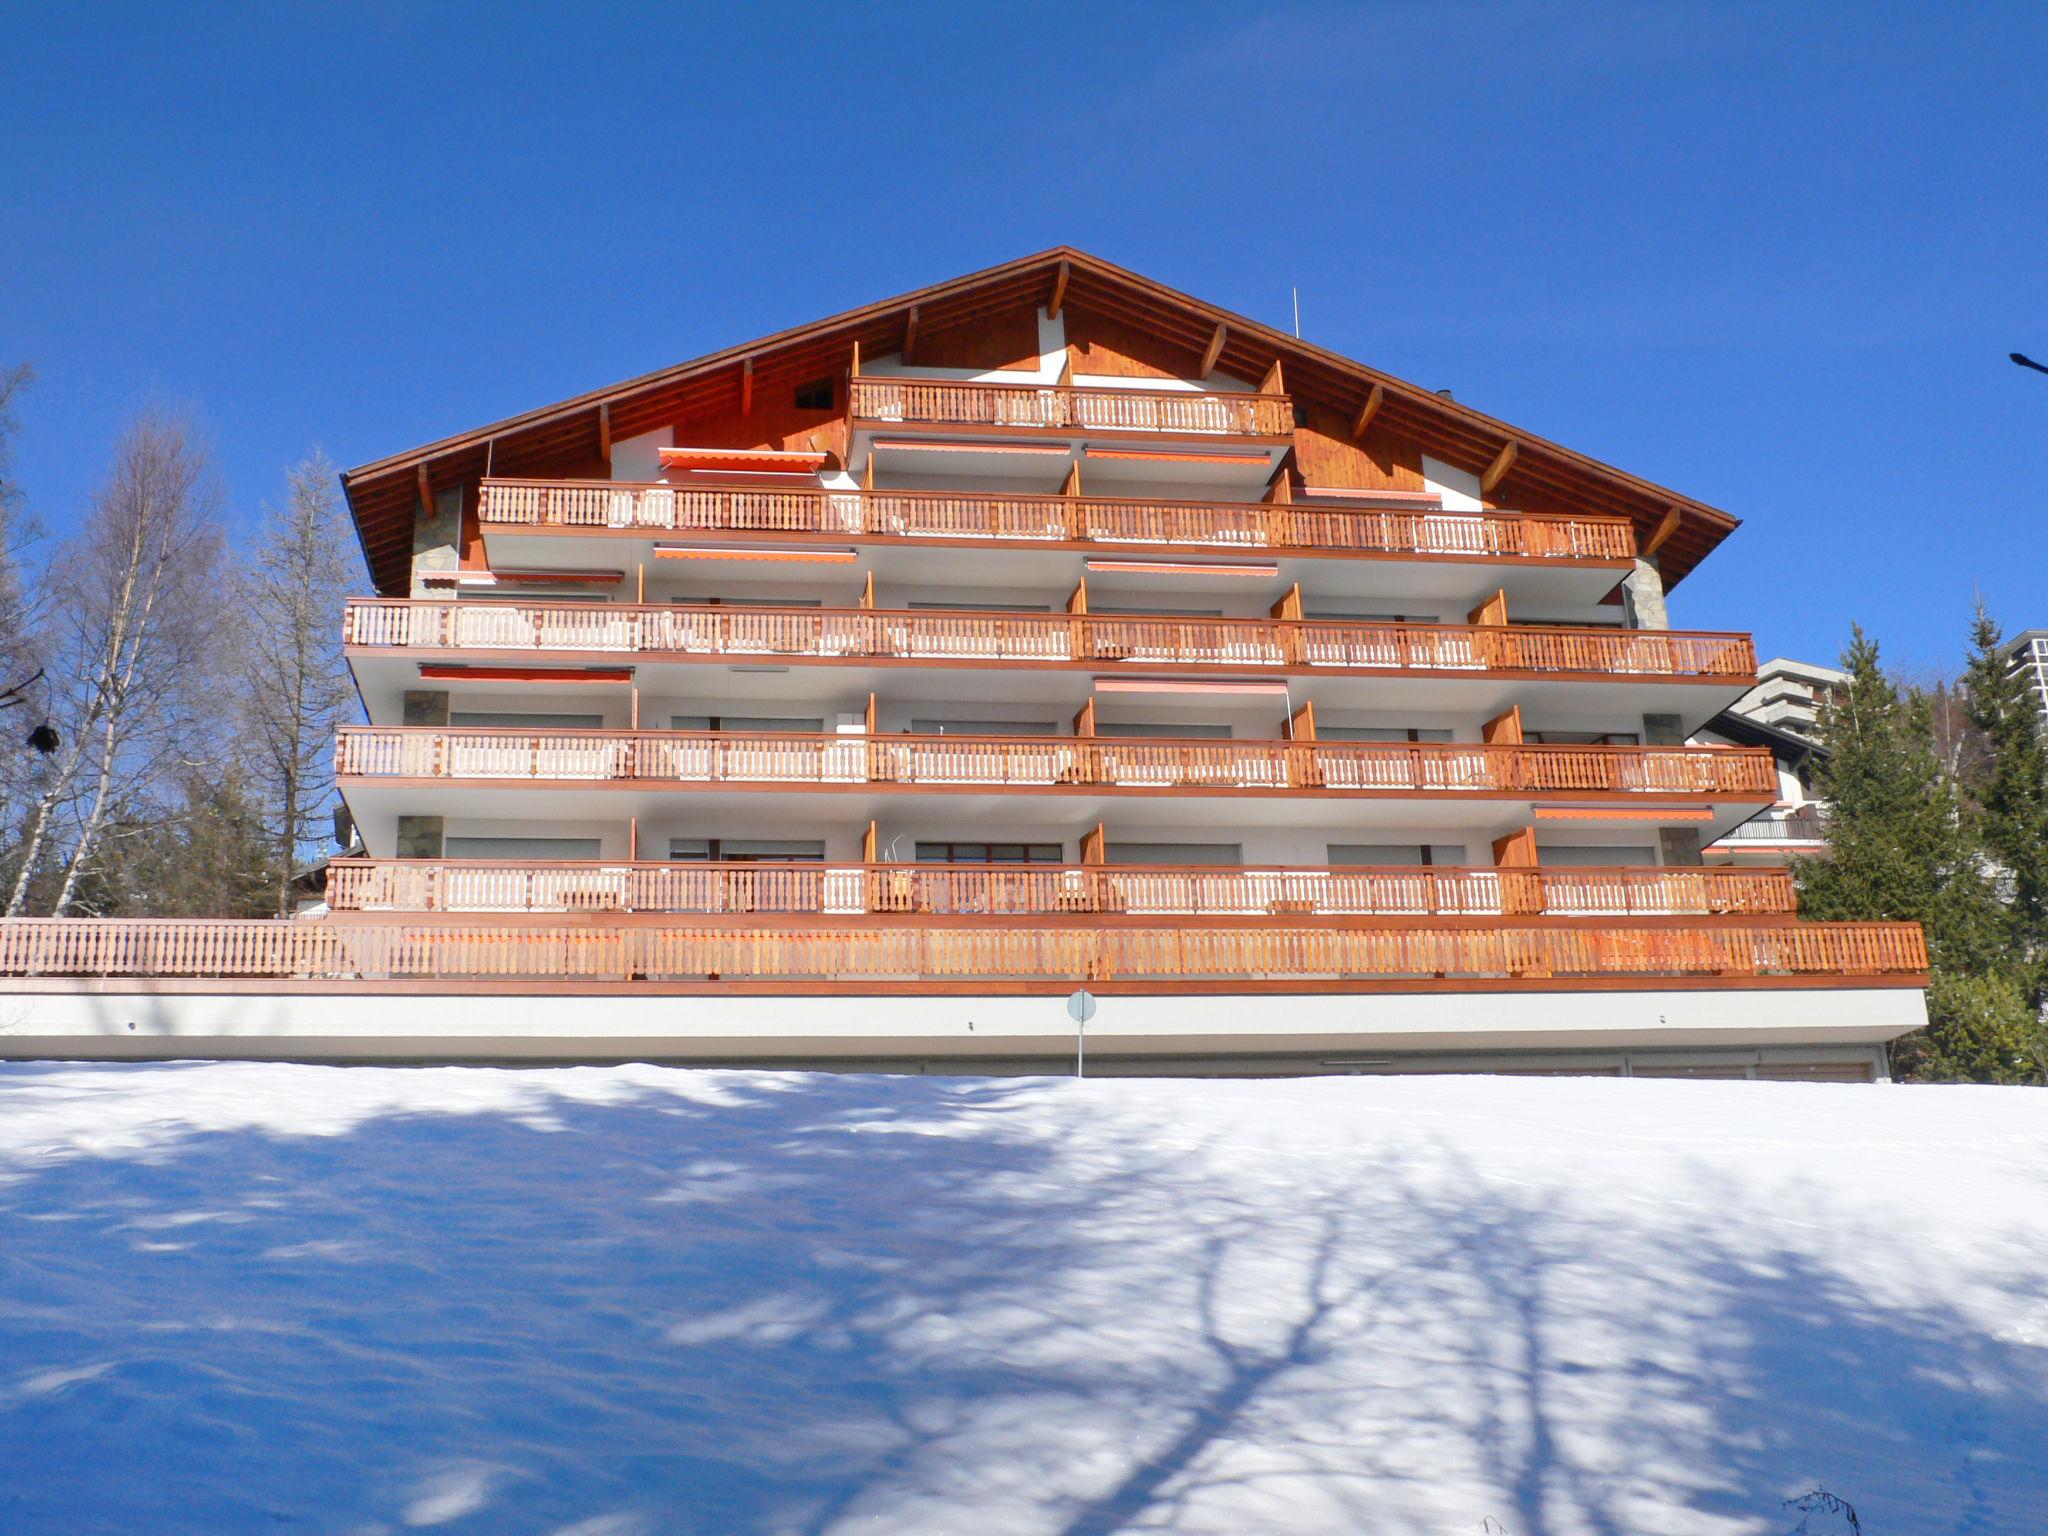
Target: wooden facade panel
774 423
1326 455
1006 339
1098 344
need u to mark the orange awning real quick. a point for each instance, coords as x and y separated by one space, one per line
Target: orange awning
752 461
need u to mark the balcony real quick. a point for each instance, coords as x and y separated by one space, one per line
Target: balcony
1802 828
929 637
959 890
621 508
1066 408
911 957
1039 763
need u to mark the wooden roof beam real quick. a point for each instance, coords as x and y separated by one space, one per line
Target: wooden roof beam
746 386
1498 469
1374 399
426 492
1059 292
1666 527
1213 351
604 432
909 334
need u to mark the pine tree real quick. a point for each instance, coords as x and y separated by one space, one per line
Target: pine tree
2010 787
1902 846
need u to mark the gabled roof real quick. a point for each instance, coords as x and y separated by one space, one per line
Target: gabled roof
1786 746
381 494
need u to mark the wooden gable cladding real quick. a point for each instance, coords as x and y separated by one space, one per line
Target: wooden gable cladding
1105 346
1004 339
1120 325
775 423
1327 455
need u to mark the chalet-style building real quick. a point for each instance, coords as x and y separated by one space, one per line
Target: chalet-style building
854 695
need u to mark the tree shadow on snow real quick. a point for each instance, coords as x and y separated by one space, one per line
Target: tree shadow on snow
787 1303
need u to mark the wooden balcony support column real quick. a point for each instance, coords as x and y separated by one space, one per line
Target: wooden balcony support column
1504 729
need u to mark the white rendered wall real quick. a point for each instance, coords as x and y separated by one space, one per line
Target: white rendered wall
454 1024
1458 488
638 459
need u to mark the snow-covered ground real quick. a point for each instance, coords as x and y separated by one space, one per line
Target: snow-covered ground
621 1302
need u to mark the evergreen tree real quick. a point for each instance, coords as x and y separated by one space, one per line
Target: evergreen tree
2010 787
209 856
1902 846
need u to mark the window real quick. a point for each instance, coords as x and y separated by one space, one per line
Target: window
749 602
1174 853
751 724
979 606
538 848
733 850
983 728
1380 733
990 853
1359 616
1399 855
1206 730
1586 738
522 721
529 595
1596 858
818 395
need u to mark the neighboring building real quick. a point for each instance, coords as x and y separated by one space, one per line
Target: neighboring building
2028 654
1782 716
1789 695
1789 828
854 695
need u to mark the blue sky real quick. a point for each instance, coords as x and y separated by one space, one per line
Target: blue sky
1773 256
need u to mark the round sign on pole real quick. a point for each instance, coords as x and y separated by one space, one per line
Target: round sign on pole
1081 1006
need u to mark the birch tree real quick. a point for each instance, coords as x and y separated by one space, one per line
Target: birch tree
295 686
134 599
22 692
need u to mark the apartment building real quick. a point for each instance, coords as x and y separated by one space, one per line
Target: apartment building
2027 656
854 695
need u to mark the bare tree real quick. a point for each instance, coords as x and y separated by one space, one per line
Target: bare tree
17 531
134 607
295 685
21 682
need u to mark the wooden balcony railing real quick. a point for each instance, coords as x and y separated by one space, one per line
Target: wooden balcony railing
1067 407
1043 762
972 515
927 635
1041 890
909 956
